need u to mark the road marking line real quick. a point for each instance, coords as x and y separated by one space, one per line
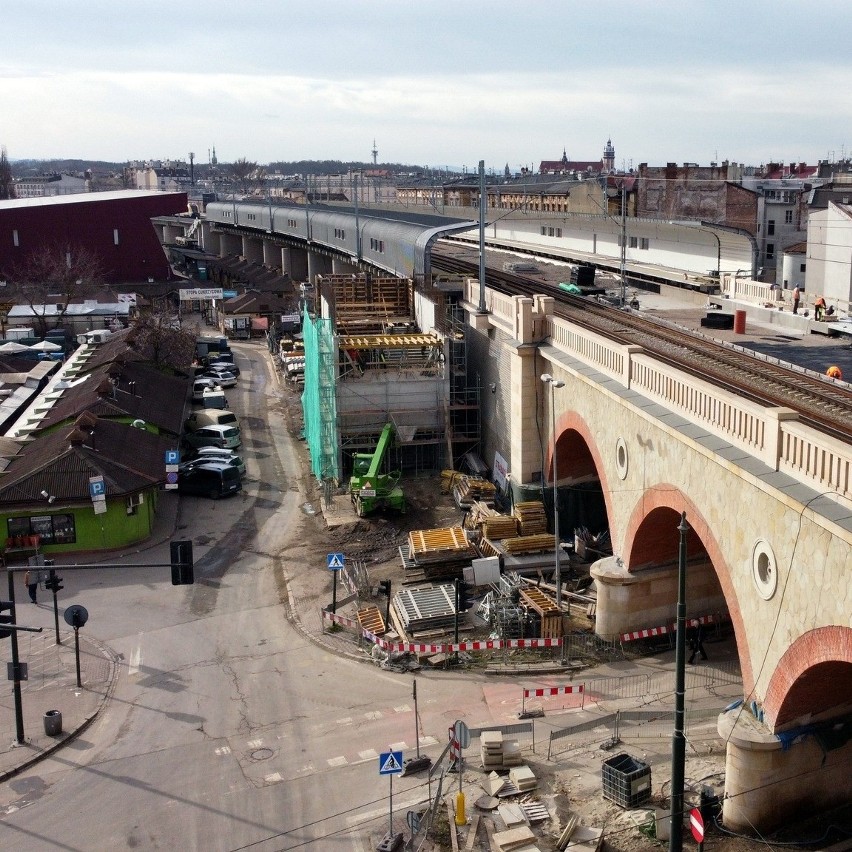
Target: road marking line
254 743
400 746
424 741
273 778
337 761
374 714
222 750
346 721
403 708
135 660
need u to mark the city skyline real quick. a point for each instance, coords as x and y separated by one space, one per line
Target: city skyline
435 84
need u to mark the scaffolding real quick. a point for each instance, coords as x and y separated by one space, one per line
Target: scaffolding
464 402
319 399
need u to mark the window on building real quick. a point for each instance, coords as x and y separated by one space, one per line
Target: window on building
634 242
802 267
52 529
788 217
770 251
115 236
770 227
644 243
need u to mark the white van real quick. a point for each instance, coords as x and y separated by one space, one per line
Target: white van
209 417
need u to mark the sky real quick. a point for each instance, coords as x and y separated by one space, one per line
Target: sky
436 83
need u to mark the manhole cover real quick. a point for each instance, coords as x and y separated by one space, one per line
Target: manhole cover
262 754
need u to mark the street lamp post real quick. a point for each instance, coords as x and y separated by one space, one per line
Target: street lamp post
555 383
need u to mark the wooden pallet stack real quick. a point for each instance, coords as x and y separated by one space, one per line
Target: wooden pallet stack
551 617
531 516
441 552
467 490
540 543
371 619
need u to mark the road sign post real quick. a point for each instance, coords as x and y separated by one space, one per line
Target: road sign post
461 735
334 562
390 764
696 823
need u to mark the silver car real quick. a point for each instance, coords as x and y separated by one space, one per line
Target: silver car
224 455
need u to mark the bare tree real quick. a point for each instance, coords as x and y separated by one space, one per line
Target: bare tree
7 185
243 173
170 348
50 278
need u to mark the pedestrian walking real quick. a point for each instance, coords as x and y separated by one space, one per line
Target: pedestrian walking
797 295
696 644
31 581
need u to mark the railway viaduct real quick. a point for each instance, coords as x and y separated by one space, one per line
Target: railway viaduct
768 502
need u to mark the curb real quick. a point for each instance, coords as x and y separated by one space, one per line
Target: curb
85 724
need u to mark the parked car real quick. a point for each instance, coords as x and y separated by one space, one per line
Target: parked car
201 384
225 361
224 378
214 398
215 454
208 416
210 479
215 435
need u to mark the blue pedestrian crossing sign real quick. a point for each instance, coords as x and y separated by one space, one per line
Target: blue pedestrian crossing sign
335 561
390 763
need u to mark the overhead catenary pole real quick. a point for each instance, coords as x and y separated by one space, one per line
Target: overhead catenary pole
623 265
678 740
555 383
482 205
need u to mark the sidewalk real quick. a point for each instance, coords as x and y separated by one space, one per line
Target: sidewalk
52 685
52 668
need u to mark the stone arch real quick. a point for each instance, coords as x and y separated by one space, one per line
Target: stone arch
813 676
660 508
578 453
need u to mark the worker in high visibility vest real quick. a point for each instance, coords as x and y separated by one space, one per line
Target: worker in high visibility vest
834 372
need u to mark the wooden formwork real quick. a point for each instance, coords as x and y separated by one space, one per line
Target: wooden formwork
551 617
440 544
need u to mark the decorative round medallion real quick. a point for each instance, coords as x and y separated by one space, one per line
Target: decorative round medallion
763 569
621 460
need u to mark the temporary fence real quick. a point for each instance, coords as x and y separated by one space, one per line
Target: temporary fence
635 724
572 645
653 632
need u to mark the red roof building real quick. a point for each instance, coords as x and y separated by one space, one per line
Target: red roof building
116 226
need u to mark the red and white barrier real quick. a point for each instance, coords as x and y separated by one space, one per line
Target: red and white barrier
547 691
650 632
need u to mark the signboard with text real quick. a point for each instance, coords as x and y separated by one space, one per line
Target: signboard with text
200 293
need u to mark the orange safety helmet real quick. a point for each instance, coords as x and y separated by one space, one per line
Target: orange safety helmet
834 372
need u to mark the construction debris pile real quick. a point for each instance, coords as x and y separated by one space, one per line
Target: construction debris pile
437 554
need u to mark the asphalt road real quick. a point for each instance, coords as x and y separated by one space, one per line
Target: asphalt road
228 729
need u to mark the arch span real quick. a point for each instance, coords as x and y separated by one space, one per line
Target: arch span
812 678
651 533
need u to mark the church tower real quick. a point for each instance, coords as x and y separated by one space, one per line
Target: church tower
609 157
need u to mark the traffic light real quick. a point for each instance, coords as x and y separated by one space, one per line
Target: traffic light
385 587
53 583
6 619
183 573
462 596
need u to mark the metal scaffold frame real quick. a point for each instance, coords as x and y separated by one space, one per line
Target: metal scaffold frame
319 400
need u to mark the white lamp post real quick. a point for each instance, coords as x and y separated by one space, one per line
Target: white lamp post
555 383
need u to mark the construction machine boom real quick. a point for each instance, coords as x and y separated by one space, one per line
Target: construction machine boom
371 490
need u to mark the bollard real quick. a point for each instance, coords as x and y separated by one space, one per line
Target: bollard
460 818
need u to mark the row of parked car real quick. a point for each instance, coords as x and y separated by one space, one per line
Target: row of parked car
212 433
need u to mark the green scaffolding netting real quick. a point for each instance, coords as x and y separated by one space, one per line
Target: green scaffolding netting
319 398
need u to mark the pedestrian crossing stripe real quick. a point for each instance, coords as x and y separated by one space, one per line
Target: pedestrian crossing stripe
390 762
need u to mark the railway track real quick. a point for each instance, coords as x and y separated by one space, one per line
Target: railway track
819 403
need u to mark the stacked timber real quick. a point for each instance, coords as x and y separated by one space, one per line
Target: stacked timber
529 544
450 544
499 526
467 490
371 619
551 618
531 516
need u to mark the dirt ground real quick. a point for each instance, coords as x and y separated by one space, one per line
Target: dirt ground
376 541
